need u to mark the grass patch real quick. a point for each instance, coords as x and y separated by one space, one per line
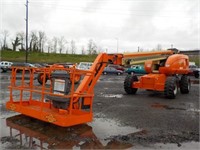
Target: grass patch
34 57
194 58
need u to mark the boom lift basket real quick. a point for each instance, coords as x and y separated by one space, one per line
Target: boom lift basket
59 103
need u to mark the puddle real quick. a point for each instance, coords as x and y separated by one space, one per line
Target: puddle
112 95
194 110
22 132
105 128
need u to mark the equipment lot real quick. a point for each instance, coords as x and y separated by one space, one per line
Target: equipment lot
120 120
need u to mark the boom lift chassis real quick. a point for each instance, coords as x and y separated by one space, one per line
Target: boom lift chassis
63 103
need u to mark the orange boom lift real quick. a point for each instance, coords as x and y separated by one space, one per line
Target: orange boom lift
65 104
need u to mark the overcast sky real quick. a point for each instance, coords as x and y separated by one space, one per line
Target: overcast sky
131 23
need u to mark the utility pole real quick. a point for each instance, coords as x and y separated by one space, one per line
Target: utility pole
26 30
138 48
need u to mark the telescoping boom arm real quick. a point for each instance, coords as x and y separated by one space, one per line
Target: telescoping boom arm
62 103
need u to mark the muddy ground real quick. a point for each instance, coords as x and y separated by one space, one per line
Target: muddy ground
146 120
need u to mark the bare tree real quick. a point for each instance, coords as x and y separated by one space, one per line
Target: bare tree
55 44
73 47
92 48
21 36
5 35
49 46
33 41
16 43
41 40
61 42
67 49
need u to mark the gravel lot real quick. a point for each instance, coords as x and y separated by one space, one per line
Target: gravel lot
146 120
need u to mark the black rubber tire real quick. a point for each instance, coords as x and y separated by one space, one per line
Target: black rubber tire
171 88
185 84
3 70
118 73
40 79
128 84
196 74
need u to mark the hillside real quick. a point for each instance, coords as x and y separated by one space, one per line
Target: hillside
35 57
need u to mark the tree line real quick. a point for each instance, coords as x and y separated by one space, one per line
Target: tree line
39 42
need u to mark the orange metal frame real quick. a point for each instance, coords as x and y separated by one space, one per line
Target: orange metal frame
155 80
44 110
82 95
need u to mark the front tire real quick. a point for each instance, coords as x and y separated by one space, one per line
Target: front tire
118 73
185 84
196 74
129 80
171 88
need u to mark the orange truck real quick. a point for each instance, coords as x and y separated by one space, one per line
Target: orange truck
65 104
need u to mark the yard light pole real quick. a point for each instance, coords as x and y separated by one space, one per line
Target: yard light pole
26 31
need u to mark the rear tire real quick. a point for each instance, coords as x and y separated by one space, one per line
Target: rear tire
132 73
185 84
196 74
171 88
129 80
40 78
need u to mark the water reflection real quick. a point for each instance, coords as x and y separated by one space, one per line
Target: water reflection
26 132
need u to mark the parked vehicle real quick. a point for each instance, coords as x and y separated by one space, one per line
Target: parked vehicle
68 105
118 67
21 65
111 70
194 70
84 65
136 69
5 66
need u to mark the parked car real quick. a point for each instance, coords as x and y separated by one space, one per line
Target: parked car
84 65
111 70
22 65
118 67
137 69
194 70
5 66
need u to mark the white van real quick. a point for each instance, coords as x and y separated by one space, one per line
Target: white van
84 65
5 65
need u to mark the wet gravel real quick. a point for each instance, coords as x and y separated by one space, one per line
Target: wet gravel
159 120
